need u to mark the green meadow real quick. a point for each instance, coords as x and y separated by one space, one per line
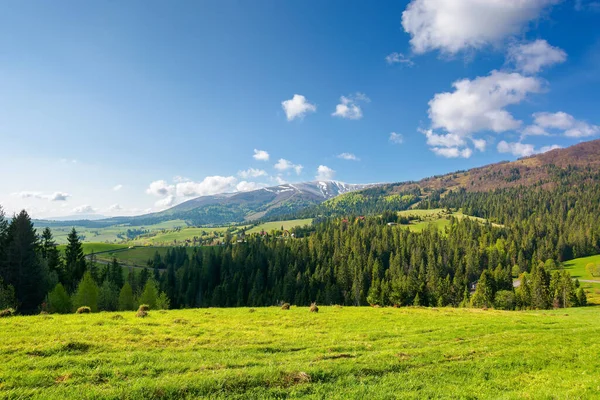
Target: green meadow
339 353
577 270
437 217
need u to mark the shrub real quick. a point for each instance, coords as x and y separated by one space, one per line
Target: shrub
84 310
285 306
141 314
505 300
9 312
314 308
144 307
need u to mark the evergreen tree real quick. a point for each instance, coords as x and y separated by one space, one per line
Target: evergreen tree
23 269
150 294
126 298
7 296
75 264
484 292
50 253
59 300
87 293
115 274
108 297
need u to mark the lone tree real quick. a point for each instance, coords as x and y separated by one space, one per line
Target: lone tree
87 293
59 300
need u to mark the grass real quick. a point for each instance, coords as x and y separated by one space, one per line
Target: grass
138 256
89 248
577 270
276 225
437 217
338 353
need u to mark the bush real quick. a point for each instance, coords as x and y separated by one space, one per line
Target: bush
141 314
7 296
144 307
84 310
505 300
9 312
285 306
314 308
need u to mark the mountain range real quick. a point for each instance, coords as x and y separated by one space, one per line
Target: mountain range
309 199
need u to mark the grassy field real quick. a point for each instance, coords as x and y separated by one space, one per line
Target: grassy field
89 248
577 269
137 255
340 353
437 217
269 226
111 234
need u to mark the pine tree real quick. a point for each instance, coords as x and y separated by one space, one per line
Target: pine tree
75 264
87 293
23 269
7 296
115 274
484 292
126 298
50 253
59 300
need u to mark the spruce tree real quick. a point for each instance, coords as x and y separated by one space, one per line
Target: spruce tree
108 297
149 295
75 264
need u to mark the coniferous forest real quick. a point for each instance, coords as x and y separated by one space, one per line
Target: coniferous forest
350 260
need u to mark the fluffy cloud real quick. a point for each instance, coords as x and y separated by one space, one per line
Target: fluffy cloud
479 144
166 202
349 106
56 196
115 207
284 165
531 58
324 173
252 173
561 121
208 186
160 188
519 149
534 130
84 209
396 138
117 187
261 155
454 25
448 140
245 186
297 107
398 58
348 156
478 105
452 152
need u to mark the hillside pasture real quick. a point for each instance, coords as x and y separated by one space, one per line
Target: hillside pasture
337 353
591 284
438 217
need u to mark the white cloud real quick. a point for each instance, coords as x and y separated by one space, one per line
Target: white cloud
261 155
396 138
208 186
166 202
452 152
279 180
160 188
348 156
534 130
545 149
56 196
478 105
454 25
84 209
118 187
252 173
245 186
284 165
531 58
562 121
297 107
324 173
398 58
115 207
479 144
448 140
349 106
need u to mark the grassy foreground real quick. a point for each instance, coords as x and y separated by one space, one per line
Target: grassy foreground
269 353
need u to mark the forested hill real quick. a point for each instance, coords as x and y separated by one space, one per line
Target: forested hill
544 171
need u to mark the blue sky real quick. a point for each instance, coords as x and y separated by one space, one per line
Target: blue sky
119 108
